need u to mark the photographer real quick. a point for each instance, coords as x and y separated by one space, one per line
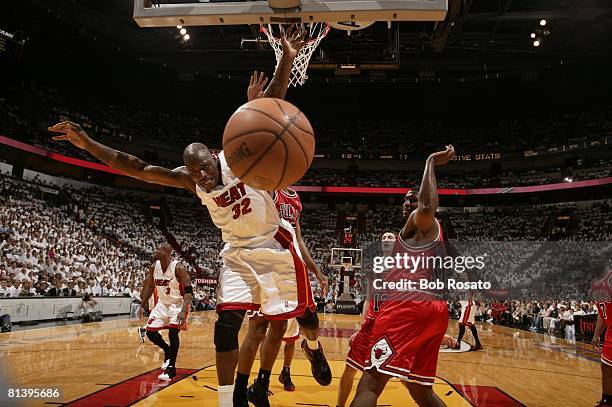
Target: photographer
88 309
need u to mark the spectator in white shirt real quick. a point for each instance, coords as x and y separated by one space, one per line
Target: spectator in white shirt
4 290
21 275
14 289
26 289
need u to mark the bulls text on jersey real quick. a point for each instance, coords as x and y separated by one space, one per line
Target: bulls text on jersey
288 212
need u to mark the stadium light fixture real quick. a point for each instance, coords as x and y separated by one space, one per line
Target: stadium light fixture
542 22
533 35
536 43
183 31
179 26
186 37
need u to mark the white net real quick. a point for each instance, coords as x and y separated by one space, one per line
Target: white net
316 32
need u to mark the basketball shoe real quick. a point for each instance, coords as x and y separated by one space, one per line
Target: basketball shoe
168 374
318 364
285 379
257 394
142 332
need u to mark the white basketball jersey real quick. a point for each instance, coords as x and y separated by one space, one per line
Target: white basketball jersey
246 216
168 290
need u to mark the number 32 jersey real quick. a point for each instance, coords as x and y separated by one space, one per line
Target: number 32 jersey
246 216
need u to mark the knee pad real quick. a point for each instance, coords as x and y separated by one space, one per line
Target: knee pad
309 320
226 330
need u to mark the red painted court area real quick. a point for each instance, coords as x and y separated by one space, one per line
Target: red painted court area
129 391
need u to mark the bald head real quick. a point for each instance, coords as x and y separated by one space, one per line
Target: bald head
195 152
163 252
202 166
165 247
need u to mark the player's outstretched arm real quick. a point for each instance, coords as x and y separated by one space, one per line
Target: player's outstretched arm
126 163
428 193
148 285
599 327
310 264
183 277
293 42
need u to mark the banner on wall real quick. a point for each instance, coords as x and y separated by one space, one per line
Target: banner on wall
206 281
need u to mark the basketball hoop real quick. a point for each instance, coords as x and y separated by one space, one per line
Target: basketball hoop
316 32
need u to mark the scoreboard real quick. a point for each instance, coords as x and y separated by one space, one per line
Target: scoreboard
10 45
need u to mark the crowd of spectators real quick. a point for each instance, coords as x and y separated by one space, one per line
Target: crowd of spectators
543 315
197 237
98 241
47 250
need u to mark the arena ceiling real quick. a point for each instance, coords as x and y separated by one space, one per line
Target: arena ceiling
93 43
479 36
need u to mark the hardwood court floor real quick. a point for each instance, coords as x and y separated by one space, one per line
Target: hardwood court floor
106 364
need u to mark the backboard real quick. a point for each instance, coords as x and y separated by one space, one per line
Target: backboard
167 13
341 256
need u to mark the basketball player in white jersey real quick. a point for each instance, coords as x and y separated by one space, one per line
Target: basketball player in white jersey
169 283
468 312
289 207
262 266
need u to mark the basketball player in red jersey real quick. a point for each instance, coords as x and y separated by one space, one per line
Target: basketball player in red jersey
359 344
601 290
289 207
410 326
256 239
170 285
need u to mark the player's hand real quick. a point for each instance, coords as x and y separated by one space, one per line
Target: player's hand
256 86
595 342
71 132
293 40
182 317
442 157
449 341
140 312
323 282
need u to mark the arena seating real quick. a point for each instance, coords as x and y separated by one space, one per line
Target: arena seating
101 239
124 123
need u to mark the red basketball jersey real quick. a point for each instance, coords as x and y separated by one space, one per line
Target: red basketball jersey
421 260
605 311
288 204
601 289
422 270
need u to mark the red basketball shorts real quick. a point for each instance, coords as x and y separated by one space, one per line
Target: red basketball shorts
359 345
406 338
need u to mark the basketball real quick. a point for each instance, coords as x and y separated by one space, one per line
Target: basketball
269 143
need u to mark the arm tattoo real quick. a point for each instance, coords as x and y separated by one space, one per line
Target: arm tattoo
280 81
126 161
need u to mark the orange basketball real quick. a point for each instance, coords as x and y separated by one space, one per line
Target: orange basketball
268 143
